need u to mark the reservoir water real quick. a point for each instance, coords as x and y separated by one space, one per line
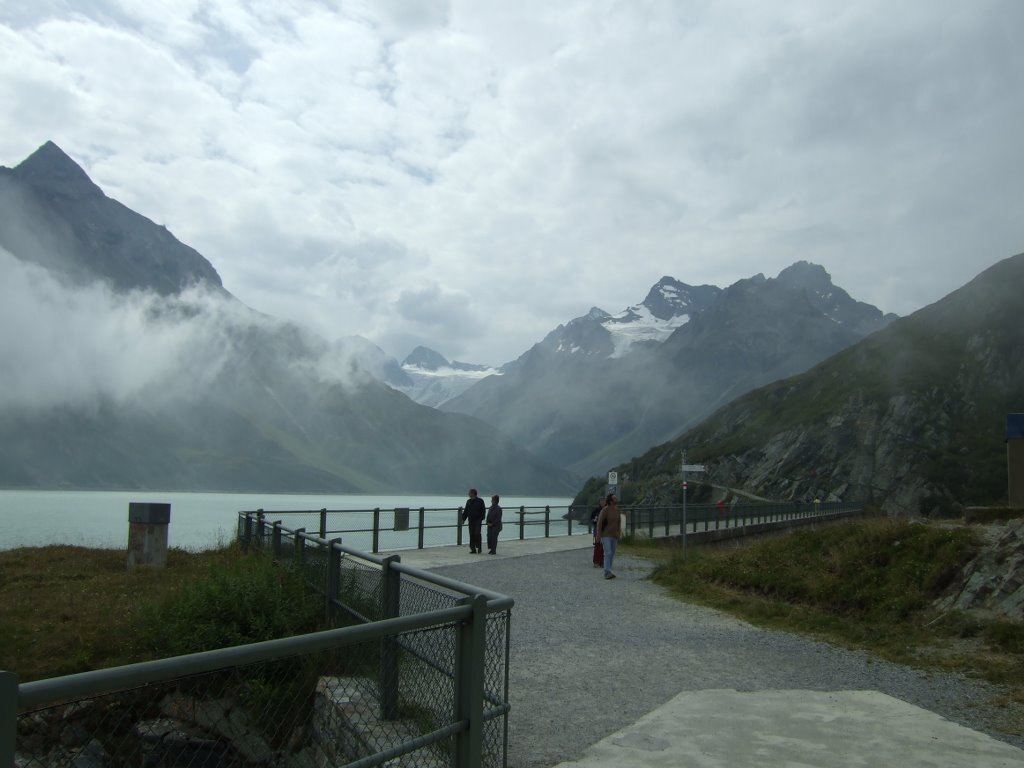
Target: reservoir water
205 520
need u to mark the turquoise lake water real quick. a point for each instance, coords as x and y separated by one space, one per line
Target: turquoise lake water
204 520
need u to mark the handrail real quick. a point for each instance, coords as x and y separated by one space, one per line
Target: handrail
98 682
495 600
680 516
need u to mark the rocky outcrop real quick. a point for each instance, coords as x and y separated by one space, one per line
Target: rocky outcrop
186 730
993 582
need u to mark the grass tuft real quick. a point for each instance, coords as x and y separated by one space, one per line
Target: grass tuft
68 609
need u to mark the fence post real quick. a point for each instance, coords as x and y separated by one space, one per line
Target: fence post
547 521
260 529
333 585
323 523
422 524
389 609
300 547
458 527
247 532
275 540
469 684
522 522
376 530
8 716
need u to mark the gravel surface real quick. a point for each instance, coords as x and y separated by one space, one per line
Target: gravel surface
589 656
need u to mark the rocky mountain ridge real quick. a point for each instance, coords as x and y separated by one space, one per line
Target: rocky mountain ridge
604 387
57 217
911 419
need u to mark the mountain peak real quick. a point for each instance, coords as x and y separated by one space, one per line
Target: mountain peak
804 274
50 168
670 298
427 359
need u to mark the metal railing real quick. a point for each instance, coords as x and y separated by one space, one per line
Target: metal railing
418 678
384 530
379 529
694 518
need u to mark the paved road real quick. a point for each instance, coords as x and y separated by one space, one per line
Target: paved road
620 673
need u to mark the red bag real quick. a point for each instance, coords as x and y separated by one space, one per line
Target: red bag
598 554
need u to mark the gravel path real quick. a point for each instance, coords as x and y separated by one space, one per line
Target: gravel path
589 656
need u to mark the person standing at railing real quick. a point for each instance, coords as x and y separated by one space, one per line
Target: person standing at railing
493 525
609 527
474 514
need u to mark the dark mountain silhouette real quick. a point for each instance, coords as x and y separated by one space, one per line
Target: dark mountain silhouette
57 217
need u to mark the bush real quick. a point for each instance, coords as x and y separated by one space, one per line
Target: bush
242 600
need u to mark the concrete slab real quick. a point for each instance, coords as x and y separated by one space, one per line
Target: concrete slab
437 557
838 729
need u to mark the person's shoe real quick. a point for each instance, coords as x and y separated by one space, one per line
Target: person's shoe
596 565
491 552
609 575
472 551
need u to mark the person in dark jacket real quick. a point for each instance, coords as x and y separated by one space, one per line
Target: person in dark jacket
474 513
493 525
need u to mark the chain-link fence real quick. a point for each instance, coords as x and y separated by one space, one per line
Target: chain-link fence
415 673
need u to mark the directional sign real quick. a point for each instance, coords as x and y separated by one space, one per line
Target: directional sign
694 468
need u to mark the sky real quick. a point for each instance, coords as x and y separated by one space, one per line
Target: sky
470 175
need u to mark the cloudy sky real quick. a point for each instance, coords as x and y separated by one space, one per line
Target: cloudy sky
468 175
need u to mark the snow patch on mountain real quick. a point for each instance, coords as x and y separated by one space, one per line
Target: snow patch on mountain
435 380
639 324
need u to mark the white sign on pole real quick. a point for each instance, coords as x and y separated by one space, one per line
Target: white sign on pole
694 468
613 478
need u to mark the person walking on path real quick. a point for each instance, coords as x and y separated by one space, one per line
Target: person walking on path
473 513
493 525
609 528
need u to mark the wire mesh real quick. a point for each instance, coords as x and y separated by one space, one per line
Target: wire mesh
409 678
316 709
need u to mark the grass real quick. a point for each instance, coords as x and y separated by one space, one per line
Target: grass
71 609
867 584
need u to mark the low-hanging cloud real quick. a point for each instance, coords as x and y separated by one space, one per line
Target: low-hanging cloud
78 345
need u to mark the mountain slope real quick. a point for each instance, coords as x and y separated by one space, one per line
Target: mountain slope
141 371
57 217
911 418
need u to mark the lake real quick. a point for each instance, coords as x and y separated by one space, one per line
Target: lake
204 520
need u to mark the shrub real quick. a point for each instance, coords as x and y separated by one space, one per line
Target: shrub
242 600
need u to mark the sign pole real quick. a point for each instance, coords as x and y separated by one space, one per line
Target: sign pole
682 469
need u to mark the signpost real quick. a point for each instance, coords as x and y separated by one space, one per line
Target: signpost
613 483
687 468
